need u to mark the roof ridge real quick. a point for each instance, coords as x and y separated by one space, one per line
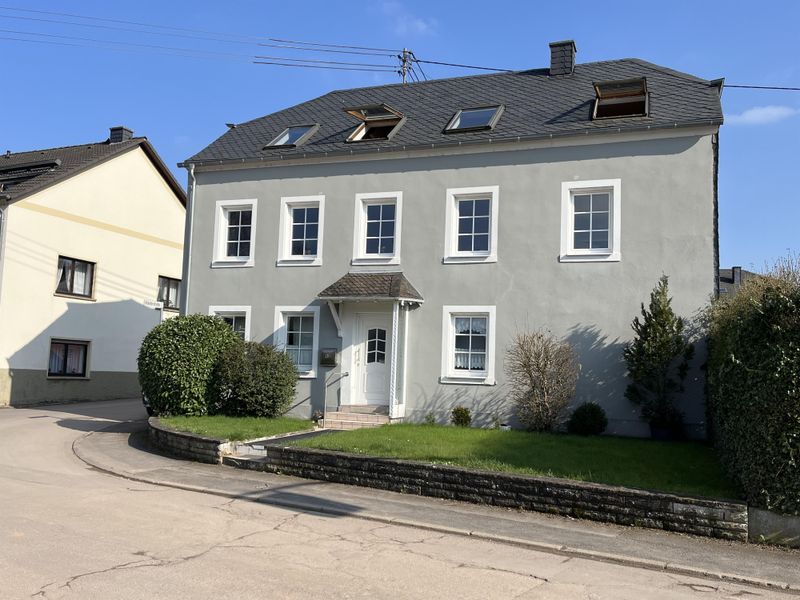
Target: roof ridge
136 139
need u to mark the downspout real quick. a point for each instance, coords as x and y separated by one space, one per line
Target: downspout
187 251
3 229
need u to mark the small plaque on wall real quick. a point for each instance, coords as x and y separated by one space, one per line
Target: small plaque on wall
327 357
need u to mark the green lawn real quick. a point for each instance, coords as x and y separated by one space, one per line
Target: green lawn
683 467
237 428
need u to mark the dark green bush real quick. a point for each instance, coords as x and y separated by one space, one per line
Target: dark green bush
658 360
252 380
754 390
461 417
176 360
588 419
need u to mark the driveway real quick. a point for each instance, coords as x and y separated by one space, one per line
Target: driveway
71 531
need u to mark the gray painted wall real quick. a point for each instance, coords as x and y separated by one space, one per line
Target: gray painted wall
667 227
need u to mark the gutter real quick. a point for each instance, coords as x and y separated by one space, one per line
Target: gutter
187 251
452 144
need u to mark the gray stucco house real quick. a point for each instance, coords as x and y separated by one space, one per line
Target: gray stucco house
394 238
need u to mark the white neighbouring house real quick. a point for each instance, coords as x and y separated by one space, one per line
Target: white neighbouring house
91 239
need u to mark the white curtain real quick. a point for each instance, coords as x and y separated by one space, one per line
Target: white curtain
76 359
56 358
63 285
83 278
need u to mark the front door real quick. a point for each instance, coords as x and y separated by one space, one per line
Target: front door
373 358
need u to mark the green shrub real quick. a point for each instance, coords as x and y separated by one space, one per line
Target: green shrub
658 359
461 417
588 419
176 360
754 390
252 380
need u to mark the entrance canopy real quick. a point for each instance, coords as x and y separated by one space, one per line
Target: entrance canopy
371 287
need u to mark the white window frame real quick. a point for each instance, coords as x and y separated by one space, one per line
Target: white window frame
285 257
360 256
568 252
220 258
233 311
282 314
449 373
452 255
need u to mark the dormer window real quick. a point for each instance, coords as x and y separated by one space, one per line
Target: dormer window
474 119
292 136
622 98
378 122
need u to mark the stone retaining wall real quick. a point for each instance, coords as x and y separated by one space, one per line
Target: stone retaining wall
700 516
187 445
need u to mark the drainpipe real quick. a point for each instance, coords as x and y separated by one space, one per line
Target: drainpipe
187 250
3 228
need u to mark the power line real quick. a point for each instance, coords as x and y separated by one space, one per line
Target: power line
282 64
101 19
115 42
333 45
329 62
293 47
447 64
763 87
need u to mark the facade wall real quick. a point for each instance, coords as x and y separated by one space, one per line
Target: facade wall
667 227
120 215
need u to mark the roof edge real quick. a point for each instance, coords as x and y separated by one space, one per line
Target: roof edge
581 133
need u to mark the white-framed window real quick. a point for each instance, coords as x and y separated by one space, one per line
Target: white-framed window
234 233
590 220
468 344
238 317
378 223
301 226
169 290
69 359
471 224
297 334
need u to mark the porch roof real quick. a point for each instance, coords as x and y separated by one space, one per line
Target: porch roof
371 286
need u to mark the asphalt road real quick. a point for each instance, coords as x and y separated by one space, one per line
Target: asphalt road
70 531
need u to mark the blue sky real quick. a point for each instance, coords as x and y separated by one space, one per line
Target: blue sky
60 94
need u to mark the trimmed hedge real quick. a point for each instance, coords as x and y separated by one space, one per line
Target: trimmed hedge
252 380
754 391
176 360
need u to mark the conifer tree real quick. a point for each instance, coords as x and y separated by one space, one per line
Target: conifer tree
658 358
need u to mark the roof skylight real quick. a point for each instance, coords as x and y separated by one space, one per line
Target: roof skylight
378 122
474 119
622 98
293 136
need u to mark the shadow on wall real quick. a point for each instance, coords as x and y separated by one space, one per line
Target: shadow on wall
114 331
488 406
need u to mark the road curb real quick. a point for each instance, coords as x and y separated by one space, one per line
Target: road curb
568 551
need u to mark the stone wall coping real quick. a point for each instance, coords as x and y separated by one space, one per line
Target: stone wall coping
527 479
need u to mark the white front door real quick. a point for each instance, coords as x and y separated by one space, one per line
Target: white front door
373 358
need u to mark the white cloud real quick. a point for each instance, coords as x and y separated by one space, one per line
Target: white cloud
405 23
762 115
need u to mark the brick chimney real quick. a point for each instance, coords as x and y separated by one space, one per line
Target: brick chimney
562 57
119 134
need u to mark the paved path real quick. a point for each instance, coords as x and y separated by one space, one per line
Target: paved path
68 530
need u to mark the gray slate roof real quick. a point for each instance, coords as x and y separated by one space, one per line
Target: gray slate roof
73 160
536 105
371 286
726 284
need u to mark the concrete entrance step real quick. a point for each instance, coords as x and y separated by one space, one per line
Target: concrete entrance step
365 409
353 420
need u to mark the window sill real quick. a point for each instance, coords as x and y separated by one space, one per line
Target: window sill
606 257
307 375
171 309
299 262
68 378
452 380
382 260
455 260
75 297
228 264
